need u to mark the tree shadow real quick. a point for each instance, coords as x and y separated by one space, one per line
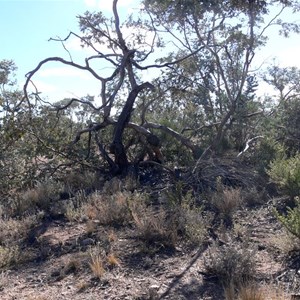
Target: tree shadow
194 289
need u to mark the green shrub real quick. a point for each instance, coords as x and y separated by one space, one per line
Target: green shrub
291 220
285 172
268 149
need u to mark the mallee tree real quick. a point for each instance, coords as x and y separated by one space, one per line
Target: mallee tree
205 89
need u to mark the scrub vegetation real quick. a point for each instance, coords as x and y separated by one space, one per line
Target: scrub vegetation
185 186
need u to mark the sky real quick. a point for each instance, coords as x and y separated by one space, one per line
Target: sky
27 25
25 29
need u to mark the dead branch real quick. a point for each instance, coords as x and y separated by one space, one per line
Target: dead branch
248 144
185 141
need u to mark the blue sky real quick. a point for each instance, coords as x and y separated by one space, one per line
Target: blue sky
27 25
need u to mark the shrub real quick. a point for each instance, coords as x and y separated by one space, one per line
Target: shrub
230 264
252 196
188 217
193 224
14 231
286 173
291 220
268 149
41 197
9 256
76 181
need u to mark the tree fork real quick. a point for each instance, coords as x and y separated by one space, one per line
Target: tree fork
117 147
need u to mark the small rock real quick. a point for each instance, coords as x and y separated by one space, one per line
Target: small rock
154 287
87 242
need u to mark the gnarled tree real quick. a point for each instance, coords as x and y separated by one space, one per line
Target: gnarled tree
205 81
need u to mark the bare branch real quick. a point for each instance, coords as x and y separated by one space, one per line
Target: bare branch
248 144
58 107
30 74
185 141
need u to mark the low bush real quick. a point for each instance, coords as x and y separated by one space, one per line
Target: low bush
230 264
291 220
285 172
189 218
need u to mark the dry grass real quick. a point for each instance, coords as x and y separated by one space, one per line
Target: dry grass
112 260
274 293
91 227
252 291
226 200
285 242
72 266
4 280
82 286
230 264
110 209
96 265
112 237
155 226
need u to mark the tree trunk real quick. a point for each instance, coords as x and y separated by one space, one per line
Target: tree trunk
117 147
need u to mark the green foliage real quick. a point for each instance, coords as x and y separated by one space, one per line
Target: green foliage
284 121
286 173
267 150
291 220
